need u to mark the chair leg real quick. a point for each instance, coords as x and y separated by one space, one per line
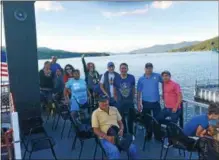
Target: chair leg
135 129
24 154
74 142
82 146
179 152
53 123
165 156
30 155
57 121
145 139
53 153
69 130
128 155
190 156
63 128
161 152
95 151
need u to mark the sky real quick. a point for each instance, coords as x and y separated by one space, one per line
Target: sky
122 26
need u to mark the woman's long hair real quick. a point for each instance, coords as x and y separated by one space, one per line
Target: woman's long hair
70 66
88 66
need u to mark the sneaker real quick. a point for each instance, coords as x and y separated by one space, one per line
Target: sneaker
133 137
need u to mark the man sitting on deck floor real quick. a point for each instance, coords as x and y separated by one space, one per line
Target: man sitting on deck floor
198 125
102 119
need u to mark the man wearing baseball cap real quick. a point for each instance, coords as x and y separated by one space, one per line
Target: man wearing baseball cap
102 119
148 96
106 83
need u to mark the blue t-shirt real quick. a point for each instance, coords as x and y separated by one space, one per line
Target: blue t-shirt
191 126
78 90
54 67
124 88
149 86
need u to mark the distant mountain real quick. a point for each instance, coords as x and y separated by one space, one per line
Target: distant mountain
163 48
207 45
46 53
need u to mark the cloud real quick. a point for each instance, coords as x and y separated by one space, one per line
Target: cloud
162 4
97 28
144 10
124 13
48 6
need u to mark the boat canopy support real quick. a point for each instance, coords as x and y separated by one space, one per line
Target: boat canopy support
21 47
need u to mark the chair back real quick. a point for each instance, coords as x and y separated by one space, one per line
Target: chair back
175 132
64 111
178 138
159 132
42 143
30 123
208 149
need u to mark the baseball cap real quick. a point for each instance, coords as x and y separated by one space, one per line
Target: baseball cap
148 65
110 64
103 98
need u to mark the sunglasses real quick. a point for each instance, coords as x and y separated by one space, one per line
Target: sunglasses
68 69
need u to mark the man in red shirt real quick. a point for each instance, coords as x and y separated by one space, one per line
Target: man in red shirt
172 97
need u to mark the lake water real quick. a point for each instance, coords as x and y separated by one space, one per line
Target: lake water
185 68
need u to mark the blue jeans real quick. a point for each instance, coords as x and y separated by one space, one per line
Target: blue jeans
46 96
149 108
112 151
167 112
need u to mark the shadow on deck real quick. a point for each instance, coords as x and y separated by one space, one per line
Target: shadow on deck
63 146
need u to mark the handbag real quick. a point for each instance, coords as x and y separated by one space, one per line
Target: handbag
122 142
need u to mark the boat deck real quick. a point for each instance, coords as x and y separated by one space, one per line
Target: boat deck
63 146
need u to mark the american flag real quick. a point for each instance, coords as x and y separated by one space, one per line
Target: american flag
4 65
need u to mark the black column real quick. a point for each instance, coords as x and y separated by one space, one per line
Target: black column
21 48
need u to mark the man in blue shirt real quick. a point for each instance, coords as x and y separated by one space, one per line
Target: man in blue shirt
148 97
199 125
54 66
124 93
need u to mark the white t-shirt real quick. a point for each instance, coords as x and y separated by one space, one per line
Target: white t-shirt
111 78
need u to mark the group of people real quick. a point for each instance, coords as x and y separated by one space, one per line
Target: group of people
116 95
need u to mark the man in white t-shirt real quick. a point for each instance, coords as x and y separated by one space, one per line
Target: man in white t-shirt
106 82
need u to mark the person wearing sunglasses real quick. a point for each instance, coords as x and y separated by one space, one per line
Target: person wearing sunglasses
68 72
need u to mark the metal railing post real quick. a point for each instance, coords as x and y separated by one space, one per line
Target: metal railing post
181 119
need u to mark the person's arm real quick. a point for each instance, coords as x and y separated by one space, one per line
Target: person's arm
139 95
134 89
115 94
119 121
200 131
85 67
102 86
67 91
115 90
88 92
